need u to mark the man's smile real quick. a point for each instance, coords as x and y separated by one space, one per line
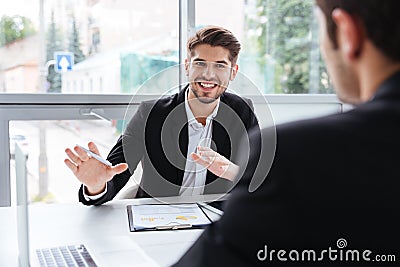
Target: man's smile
207 86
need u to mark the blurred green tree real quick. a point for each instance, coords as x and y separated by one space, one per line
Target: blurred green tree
284 35
13 28
74 45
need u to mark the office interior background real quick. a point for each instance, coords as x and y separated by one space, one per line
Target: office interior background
120 45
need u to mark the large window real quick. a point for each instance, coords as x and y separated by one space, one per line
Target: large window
117 46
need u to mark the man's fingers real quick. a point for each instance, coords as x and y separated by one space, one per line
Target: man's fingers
81 153
211 157
74 158
216 163
92 147
209 154
71 165
205 149
206 152
199 160
195 157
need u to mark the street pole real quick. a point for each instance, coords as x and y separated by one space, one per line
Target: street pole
43 177
42 50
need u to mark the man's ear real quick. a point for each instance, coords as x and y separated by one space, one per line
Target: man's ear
187 67
234 71
349 32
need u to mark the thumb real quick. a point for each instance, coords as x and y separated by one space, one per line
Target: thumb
117 169
223 168
194 156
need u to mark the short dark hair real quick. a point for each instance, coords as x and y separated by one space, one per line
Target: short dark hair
380 18
216 36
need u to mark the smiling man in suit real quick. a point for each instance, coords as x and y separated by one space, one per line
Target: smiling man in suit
332 195
184 141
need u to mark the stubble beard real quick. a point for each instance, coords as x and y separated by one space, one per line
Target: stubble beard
205 99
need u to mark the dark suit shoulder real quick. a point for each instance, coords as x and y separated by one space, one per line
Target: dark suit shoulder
362 123
315 125
327 135
235 100
242 106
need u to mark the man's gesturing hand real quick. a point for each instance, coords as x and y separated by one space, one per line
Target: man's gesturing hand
89 171
215 163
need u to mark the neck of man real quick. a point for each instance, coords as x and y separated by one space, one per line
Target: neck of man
199 109
373 70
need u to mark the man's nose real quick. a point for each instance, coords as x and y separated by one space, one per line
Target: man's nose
209 71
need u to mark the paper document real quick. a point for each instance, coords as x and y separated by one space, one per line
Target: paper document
166 216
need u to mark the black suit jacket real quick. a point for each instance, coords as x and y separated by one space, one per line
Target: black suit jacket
157 135
333 178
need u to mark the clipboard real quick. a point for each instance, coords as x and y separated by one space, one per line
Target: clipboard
158 217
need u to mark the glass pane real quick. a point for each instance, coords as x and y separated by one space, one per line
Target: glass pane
280 50
94 46
44 143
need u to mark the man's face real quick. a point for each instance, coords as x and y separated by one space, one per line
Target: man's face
209 70
342 74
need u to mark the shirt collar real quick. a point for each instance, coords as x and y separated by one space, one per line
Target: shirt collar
189 113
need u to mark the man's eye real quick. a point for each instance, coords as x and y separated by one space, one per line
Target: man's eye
221 66
200 63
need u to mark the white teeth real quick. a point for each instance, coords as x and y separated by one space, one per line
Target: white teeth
207 85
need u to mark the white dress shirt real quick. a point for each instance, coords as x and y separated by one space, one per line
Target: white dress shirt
194 177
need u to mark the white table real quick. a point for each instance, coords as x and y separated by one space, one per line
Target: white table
55 224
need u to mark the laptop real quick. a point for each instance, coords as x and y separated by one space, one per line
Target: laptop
106 251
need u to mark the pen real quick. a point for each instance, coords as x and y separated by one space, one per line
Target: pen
211 208
106 162
173 227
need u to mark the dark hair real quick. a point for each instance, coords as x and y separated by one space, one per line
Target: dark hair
216 36
380 18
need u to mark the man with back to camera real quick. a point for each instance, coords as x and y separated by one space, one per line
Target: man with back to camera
332 195
183 141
